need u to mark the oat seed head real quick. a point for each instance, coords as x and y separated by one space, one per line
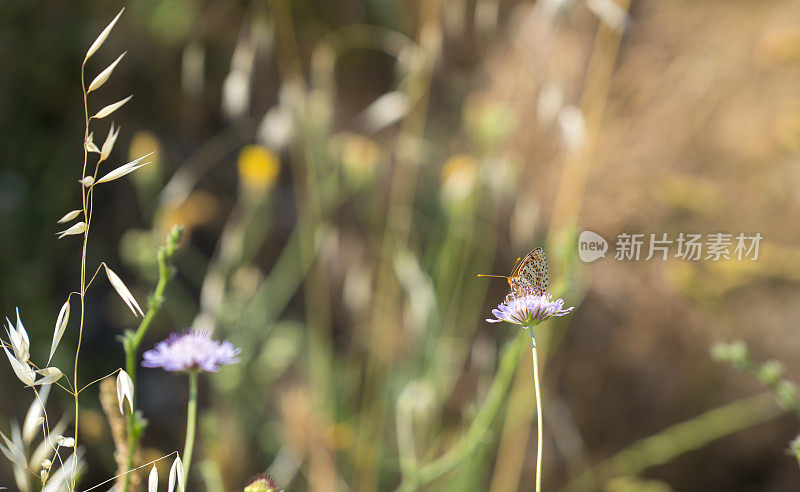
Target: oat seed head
103 76
102 37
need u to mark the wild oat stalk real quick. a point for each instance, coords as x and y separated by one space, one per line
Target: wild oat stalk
88 182
47 454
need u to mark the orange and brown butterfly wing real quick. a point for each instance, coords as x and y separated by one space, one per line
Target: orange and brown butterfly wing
514 279
531 272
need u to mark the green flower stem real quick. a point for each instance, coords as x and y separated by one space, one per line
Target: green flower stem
191 418
477 431
132 340
538 413
678 439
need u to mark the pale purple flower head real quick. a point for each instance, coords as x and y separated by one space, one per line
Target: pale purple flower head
191 350
528 308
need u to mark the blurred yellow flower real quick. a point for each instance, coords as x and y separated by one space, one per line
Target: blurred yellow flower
144 143
258 167
459 178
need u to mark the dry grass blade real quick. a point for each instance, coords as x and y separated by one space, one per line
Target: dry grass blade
152 481
102 37
49 375
35 416
103 76
176 475
23 371
89 145
108 145
61 326
124 390
124 169
69 216
19 339
49 441
78 228
111 108
72 467
66 442
12 452
123 292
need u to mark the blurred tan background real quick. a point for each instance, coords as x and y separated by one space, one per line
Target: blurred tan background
344 169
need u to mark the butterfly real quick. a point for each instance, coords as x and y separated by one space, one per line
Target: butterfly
529 273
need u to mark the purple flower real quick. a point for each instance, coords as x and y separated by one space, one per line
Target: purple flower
528 309
191 350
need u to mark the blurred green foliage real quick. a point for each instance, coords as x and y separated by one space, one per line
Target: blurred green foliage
345 168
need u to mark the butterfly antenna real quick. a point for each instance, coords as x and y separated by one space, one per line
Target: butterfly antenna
486 275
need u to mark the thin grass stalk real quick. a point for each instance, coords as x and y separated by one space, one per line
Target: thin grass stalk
577 164
662 447
508 461
310 219
82 292
539 439
191 419
318 308
132 342
395 237
482 423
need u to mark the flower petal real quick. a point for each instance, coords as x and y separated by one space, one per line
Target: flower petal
528 309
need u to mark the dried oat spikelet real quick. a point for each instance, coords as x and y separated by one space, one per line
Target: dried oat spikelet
102 37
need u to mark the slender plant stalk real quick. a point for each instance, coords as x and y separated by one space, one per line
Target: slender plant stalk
395 236
538 413
82 292
662 447
133 340
307 163
191 417
476 433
